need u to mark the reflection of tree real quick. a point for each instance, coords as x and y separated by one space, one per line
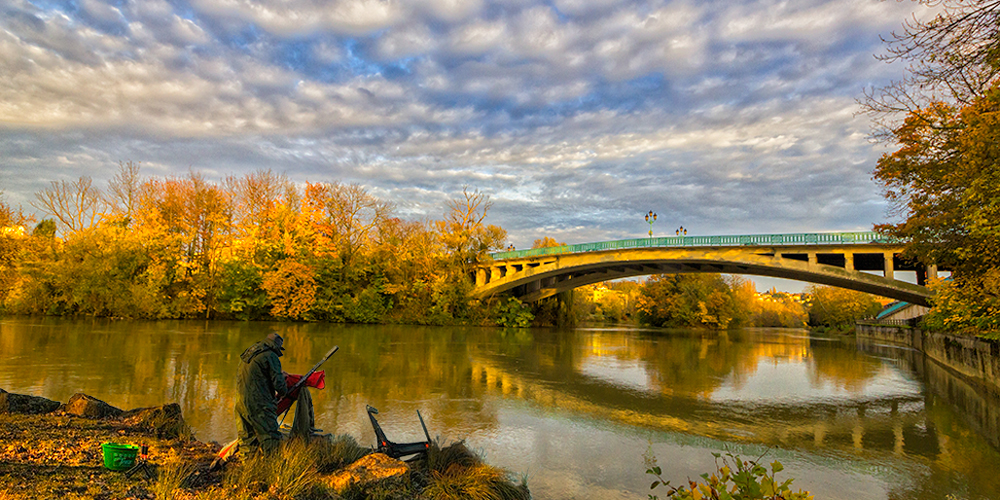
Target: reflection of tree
136 364
841 367
697 364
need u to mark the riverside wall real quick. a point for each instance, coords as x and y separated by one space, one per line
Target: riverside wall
972 357
963 371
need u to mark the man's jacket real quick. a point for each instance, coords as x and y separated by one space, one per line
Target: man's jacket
259 382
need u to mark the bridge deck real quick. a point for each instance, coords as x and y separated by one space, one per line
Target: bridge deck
858 237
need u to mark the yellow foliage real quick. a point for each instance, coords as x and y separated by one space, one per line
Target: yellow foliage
291 288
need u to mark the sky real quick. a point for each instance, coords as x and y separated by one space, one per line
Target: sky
576 117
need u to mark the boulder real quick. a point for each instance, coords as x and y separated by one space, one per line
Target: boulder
373 468
83 405
29 405
166 421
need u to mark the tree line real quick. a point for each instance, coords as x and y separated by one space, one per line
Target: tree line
261 247
715 301
250 247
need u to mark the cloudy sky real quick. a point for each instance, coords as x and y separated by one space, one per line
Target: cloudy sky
575 116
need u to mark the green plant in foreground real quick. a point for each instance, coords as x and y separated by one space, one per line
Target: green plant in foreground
748 481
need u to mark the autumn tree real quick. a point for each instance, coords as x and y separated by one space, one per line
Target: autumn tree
291 288
943 180
267 217
688 300
951 58
123 190
546 242
833 307
189 219
12 234
465 235
354 215
78 205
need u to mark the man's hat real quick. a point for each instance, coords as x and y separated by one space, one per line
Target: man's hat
278 341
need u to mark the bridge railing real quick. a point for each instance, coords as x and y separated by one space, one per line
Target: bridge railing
697 241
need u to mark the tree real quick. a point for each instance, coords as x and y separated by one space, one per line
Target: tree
951 58
77 205
12 222
546 242
291 289
354 215
687 300
123 190
834 307
465 236
969 307
945 181
267 221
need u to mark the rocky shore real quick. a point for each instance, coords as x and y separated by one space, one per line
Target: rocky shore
52 450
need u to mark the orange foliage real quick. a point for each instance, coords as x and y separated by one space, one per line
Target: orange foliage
291 288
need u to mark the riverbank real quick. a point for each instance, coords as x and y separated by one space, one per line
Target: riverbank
53 451
974 358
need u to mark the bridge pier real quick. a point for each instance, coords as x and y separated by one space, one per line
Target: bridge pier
888 266
849 261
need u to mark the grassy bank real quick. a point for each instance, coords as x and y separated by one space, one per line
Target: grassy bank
58 456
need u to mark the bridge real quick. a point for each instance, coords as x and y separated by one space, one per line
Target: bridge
847 260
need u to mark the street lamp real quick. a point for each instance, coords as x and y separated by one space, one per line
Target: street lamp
650 218
681 231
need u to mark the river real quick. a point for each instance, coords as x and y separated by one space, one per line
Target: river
572 411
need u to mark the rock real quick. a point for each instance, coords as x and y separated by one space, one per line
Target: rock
83 405
166 420
29 405
369 469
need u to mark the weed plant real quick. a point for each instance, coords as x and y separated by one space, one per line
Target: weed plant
734 479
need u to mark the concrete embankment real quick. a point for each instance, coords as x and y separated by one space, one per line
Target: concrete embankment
972 357
961 371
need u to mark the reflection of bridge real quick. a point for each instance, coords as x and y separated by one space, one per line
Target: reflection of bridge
835 259
894 424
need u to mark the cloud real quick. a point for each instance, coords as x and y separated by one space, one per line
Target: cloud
576 117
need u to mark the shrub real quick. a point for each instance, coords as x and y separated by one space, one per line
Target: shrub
747 481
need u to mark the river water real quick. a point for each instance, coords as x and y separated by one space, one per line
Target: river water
572 411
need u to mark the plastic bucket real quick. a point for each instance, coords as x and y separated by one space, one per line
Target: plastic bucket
119 456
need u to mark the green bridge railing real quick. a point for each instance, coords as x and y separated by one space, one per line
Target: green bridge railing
690 241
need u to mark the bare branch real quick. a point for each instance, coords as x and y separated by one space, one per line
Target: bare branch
77 204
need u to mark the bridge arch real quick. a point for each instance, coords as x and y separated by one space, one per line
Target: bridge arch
834 259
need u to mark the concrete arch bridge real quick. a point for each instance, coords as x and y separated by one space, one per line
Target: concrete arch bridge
834 259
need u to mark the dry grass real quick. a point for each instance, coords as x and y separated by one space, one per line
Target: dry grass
338 452
459 473
170 479
290 472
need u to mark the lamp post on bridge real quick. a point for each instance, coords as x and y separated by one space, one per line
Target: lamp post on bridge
651 218
681 231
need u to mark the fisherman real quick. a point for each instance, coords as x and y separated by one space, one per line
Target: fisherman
260 383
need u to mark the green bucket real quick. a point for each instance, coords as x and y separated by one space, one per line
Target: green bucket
119 456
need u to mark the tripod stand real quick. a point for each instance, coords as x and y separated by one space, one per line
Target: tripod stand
141 464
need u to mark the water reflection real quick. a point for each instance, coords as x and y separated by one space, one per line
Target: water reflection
574 410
